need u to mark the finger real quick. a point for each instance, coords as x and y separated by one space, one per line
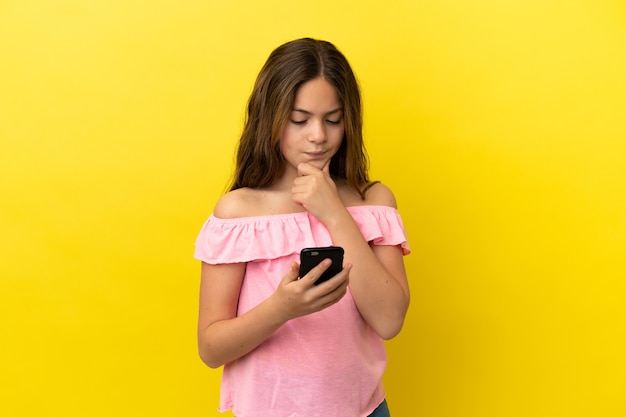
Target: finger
305 168
339 280
293 273
335 288
316 272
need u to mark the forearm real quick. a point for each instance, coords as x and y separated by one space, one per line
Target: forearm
226 340
223 336
378 291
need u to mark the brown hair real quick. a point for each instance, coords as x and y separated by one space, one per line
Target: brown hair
259 161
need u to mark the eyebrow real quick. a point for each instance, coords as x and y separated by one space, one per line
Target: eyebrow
337 110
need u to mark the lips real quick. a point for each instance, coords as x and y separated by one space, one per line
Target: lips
315 155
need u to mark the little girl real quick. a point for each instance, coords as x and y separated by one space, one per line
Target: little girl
291 348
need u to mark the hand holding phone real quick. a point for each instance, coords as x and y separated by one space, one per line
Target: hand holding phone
311 257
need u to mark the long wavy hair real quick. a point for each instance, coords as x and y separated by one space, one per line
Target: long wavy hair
259 162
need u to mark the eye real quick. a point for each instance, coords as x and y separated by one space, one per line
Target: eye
333 122
298 122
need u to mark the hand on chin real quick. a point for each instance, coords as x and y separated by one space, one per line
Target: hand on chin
320 163
317 163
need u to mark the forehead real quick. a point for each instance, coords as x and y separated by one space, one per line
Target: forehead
317 94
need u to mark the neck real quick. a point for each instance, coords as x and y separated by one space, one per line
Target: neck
285 182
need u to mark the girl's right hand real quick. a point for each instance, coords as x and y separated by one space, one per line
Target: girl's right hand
298 297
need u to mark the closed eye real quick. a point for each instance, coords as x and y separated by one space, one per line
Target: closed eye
298 122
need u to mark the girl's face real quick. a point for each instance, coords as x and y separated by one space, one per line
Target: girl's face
315 127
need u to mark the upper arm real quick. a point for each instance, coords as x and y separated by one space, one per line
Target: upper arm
236 203
392 260
219 292
380 195
391 257
220 283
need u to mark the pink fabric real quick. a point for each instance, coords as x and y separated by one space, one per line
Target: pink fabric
329 363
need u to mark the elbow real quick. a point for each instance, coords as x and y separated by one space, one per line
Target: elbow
391 330
208 358
392 325
210 361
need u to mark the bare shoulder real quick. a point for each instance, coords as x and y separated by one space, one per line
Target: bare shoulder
378 194
236 203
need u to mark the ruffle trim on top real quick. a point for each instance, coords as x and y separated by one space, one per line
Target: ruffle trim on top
249 239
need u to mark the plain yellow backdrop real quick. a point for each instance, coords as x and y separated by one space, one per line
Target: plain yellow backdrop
501 127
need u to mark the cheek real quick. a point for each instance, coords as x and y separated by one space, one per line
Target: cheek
283 142
285 145
282 147
338 137
288 135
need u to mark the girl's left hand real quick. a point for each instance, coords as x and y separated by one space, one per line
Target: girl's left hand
316 191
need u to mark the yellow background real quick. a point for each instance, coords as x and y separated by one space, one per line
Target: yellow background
500 125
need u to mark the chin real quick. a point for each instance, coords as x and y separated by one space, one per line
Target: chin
317 163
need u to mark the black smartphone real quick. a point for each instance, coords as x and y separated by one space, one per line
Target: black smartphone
311 257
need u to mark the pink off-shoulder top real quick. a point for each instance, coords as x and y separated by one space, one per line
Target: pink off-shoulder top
328 363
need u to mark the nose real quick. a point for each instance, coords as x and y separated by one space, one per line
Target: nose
317 134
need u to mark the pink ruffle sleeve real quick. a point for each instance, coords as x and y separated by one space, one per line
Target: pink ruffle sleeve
270 237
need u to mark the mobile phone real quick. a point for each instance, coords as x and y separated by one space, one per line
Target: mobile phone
311 257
